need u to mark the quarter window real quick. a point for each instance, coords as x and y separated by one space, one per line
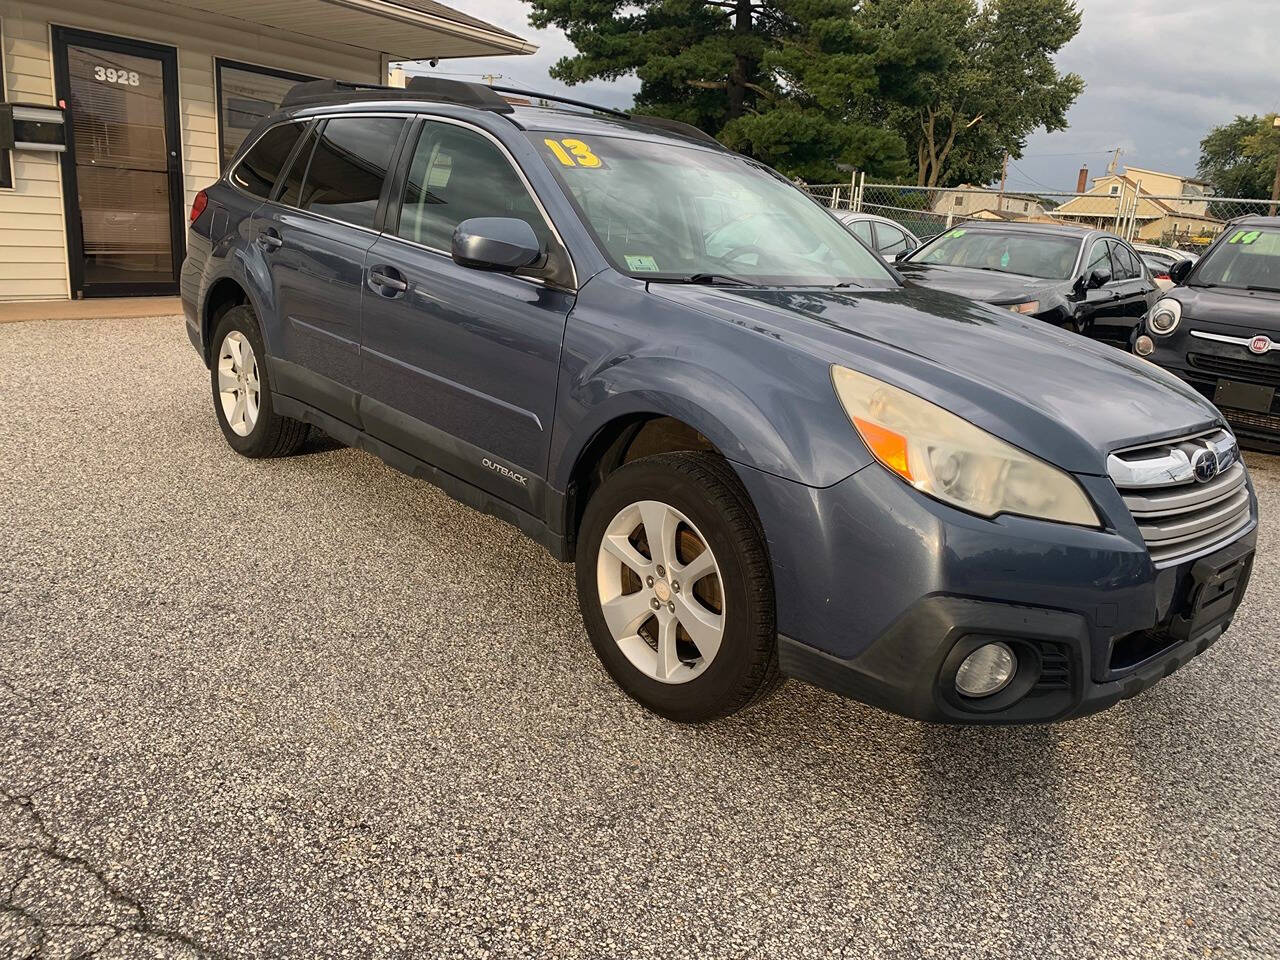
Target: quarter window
261 166
348 168
457 174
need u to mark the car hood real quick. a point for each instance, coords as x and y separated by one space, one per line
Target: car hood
1252 311
989 286
1063 397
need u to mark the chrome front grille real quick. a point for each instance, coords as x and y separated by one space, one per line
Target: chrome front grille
1187 496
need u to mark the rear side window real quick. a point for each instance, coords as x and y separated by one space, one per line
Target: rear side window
258 171
349 166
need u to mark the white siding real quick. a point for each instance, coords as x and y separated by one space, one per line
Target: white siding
32 232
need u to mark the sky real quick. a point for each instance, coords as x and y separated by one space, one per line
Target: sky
1158 75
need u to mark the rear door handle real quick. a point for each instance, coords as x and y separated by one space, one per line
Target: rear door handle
387 281
269 239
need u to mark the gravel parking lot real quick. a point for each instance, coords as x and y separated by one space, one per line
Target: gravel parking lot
314 708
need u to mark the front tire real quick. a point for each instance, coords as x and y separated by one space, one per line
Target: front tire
242 399
676 589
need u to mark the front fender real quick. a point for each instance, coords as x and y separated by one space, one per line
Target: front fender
761 401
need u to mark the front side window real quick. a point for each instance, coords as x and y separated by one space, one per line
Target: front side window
890 241
1099 259
258 171
348 168
246 95
862 230
457 174
1126 267
1019 252
1249 259
663 211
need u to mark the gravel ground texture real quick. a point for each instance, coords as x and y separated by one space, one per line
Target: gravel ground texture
314 708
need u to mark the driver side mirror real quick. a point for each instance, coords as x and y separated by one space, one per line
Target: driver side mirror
903 255
1178 271
1099 278
500 244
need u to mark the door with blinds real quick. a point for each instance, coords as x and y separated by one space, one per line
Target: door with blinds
122 172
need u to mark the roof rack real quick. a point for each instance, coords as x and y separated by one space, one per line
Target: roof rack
475 95
479 96
659 123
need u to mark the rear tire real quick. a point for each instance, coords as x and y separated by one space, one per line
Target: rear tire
691 651
242 398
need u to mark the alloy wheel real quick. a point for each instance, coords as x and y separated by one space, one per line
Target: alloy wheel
660 591
239 390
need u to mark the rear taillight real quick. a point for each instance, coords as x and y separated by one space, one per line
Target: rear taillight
1162 276
198 204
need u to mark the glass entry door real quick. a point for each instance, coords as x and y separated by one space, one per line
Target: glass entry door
122 172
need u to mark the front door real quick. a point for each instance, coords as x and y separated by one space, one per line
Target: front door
122 172
459 366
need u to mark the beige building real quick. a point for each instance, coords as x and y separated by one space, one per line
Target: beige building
967 202
1164 207
156 95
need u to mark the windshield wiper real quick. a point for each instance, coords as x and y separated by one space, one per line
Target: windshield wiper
850 283
1258 286
706 279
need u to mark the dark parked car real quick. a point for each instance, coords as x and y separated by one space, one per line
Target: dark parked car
769 458
1088 281
1219 328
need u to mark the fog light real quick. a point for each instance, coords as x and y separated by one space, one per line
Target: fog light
986 671
1143 346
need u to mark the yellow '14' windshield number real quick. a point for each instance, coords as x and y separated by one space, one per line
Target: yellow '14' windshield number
572 153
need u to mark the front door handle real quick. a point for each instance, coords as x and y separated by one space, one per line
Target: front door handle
269 239
387 281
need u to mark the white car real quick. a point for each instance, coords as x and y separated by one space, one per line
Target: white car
1158 261
881 234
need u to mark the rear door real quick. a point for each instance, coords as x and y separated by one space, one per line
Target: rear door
313 237
459 366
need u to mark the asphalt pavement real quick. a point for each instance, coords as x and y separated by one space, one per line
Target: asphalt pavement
313 708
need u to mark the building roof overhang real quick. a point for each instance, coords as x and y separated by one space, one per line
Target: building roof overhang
400 29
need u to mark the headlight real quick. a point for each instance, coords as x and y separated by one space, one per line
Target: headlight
1028 306
950 459
1164 316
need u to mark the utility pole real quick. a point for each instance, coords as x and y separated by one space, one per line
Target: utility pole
1275 187
1004 175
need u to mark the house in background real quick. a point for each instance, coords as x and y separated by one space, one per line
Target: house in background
156 96
966 202
1166 208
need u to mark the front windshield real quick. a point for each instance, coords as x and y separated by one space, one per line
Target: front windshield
662 211
1013 251
1249 259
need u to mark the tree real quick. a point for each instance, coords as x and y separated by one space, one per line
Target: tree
894 87
1239 158
968 82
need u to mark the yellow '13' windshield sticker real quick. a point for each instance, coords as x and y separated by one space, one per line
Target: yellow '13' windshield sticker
573 153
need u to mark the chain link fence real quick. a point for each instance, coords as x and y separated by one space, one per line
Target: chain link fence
1185 222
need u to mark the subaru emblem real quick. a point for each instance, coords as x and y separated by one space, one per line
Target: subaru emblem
1260 344
1205 465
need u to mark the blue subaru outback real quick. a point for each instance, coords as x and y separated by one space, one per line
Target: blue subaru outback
767 454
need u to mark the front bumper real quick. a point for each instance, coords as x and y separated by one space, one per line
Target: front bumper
881 592
1203 363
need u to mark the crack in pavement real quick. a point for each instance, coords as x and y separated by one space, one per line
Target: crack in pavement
58 904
